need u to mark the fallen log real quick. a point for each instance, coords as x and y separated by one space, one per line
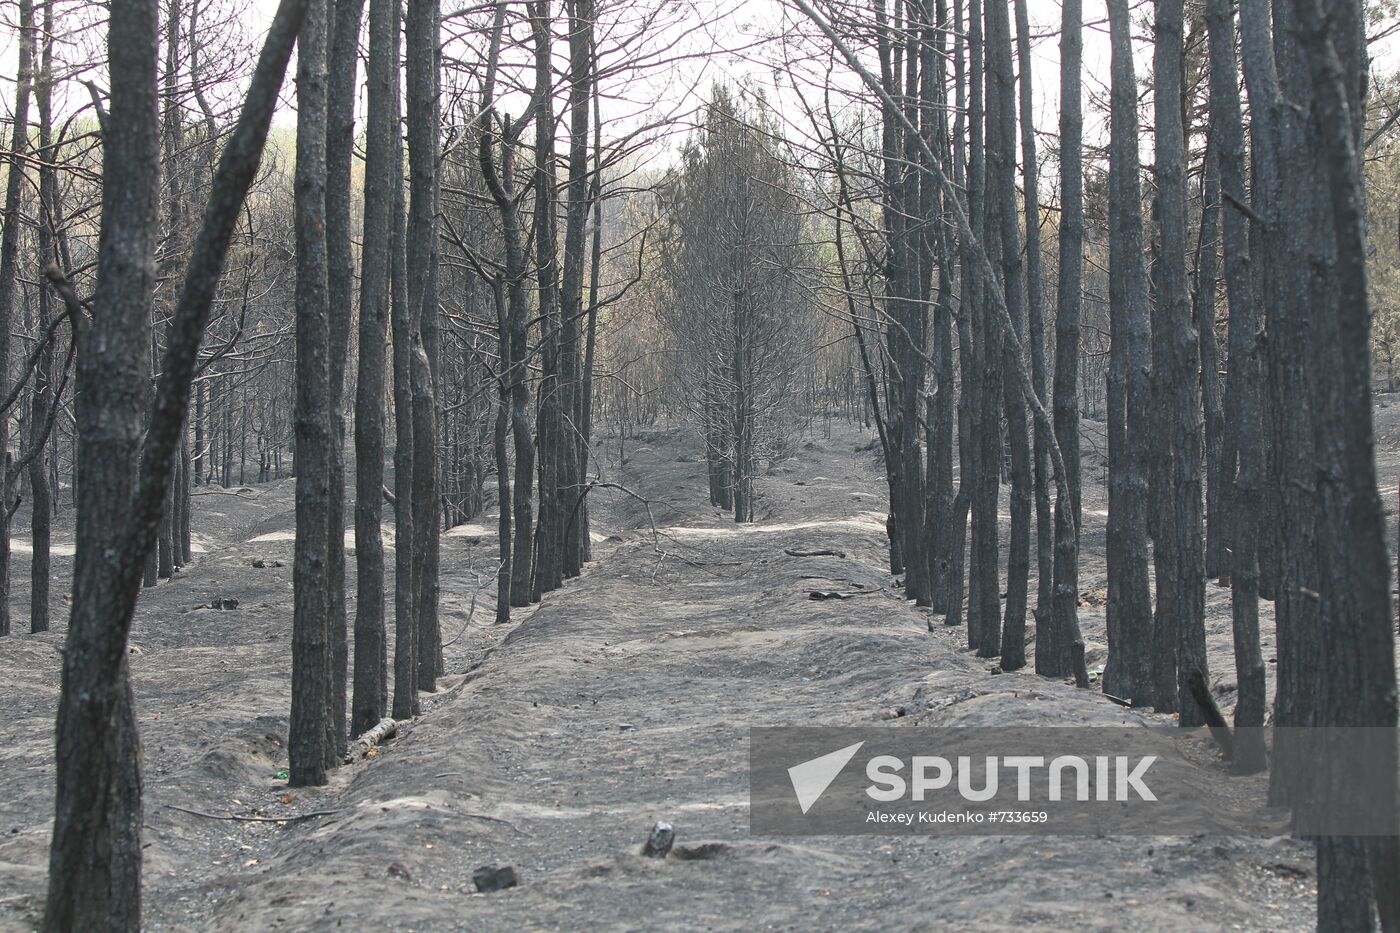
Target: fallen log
384 730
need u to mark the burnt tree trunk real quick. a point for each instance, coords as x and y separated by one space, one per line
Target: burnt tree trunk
1356 668
1002 189
95 858
422 52
1052 647
9 254
404 335
1128 672
371 697
1035 323
577 193
1179 637
548 535
340 141
1243 410
309 751
42 398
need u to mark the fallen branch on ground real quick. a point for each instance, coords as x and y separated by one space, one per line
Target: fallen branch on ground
253 819
797 552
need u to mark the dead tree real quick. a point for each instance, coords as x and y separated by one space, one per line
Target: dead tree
1035 320
984 584
309 750
340 140
577 195
1355 672
1128 672
371 697
1001 189
9 256
422 48
95 858
1052 648
501 184
43 401
1243 408
1179 637
550 425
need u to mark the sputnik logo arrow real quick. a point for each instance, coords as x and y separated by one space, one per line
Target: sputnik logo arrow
811 778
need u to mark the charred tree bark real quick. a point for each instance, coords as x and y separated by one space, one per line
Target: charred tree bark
42 398
1179 627
94 861
1035 320
548 535
1128 672
309 750
371 696
514 366
577 194
1356 669
1052 647
9 252
1002 189
1218 454
1242 408
340 142
404 334
942 412
984 588
422 51
500 439
954 534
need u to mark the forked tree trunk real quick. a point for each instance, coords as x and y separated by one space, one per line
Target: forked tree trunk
94 862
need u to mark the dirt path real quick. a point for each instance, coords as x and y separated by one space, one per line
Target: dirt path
625 698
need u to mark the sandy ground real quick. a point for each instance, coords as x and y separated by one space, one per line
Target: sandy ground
625 698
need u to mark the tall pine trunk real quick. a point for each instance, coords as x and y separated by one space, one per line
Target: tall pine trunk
309 750
370 701
1179 649
1128 672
